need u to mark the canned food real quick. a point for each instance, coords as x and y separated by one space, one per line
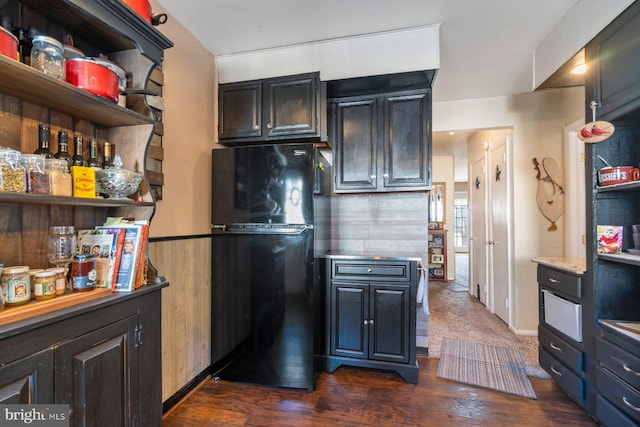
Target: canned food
45 285
83 272
16 286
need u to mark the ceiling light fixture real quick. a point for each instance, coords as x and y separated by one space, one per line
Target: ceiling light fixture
580 69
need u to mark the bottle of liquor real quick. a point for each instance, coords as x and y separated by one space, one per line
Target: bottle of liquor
43 141
78 157
107 155
63 148
93 161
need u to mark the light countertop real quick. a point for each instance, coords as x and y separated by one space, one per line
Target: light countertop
375 255
572 265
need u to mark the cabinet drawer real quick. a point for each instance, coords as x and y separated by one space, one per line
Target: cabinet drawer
561 349
397 270
618 361
564 315
560 281
620 394
572 384
610 416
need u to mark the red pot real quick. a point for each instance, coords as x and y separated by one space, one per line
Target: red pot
618 175
141 7
94 76
8 44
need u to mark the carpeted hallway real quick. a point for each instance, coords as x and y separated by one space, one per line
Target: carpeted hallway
456 314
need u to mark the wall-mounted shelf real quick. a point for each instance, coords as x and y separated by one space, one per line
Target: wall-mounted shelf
37 199
623 258
28 84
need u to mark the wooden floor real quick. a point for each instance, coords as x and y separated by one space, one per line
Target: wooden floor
358 397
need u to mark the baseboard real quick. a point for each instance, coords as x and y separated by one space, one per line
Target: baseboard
185 390
524 332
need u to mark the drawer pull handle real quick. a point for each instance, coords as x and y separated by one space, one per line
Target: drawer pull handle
366 322
555 347
555 371
369 270
631 371
552 280
626 402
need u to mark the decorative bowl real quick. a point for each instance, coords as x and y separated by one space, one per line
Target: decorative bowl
116 182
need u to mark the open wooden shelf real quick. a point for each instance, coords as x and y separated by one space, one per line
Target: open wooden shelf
28 84
38 199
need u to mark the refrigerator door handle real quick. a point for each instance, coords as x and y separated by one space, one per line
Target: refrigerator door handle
221 227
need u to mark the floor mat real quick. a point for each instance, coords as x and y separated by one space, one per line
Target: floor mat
496 368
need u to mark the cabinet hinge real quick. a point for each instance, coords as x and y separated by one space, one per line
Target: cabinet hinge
138 335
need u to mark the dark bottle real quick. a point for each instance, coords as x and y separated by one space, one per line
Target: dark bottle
107 155
63 147
93 161
43 141
78 157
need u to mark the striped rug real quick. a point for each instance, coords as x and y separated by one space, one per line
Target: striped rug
496 368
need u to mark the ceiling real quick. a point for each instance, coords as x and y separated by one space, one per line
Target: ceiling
486 46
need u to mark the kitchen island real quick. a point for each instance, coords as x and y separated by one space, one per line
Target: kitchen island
370 311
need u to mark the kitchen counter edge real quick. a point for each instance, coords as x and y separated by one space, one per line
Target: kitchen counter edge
374 256
572 265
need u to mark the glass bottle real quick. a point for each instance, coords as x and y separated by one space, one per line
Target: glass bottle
78 157
107 155
43 141
63 148
93 161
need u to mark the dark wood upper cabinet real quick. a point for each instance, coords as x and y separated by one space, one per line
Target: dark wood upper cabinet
271 110
380 129
614 59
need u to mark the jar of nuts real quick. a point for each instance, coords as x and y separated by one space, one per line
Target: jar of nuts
37 178
12 176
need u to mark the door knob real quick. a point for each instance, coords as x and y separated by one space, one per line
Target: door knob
491 242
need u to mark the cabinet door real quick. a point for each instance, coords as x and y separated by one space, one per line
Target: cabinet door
97 374
349 309
356 151
240 110
406 141
28 380
389 328
615 52
291 109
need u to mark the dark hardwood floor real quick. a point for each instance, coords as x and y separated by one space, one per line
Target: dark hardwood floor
358 397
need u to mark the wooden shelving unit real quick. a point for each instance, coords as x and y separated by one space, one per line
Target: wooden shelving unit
437 262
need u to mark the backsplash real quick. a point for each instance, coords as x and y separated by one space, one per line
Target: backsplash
383 221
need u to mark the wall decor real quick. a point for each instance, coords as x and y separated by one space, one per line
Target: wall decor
550 194
437 203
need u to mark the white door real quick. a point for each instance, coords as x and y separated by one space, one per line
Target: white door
498 232
478 231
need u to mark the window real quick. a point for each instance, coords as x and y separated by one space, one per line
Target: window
461 220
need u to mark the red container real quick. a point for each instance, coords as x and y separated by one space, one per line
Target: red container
141 7
618 175
8 44
93 76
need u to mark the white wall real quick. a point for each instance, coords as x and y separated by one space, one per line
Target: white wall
443 168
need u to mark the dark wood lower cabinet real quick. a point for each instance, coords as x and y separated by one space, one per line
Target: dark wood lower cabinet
102 358
370 316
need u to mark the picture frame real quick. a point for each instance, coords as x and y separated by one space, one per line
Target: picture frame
437 259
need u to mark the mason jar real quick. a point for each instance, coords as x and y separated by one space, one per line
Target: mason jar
59 177
16 285
47 55
36 176
12 175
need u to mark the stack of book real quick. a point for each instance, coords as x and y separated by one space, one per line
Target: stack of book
120 248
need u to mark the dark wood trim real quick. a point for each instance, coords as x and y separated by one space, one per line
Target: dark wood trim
177 397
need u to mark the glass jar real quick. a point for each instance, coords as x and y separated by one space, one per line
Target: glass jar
16 285
32 280
83 272
36 176
47 55
12 176
45 285
59 177
61 280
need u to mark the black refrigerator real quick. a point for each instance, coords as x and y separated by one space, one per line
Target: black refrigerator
266 326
